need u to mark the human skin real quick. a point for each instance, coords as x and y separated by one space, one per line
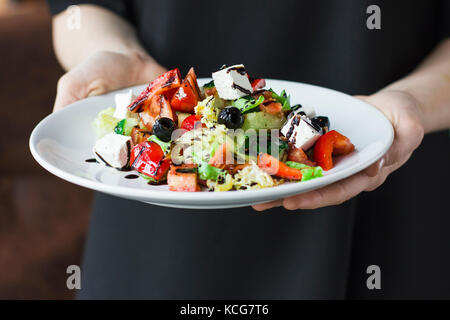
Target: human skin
102 56
105 55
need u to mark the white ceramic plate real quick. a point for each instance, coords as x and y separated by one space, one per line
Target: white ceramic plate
63 141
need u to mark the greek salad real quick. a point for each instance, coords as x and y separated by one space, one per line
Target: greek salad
232 133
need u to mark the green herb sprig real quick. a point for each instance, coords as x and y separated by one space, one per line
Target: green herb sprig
248 103
282 98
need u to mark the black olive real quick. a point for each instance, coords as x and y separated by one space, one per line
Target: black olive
231 117
163 129
321 122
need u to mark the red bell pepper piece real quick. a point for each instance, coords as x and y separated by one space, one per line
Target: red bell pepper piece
331 143
191 122
166 83
188 95
148 158
159 107
274 167
191 77
185 99
258 84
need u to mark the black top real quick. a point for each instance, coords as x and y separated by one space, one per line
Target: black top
141 251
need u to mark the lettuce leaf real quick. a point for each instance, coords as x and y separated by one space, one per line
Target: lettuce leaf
205 170
208 172
165 146
105 122
149 180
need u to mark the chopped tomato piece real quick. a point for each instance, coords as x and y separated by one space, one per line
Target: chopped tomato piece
273 108
166 83
342 145
183 178
159 107
210 91
266 94
331 143
148 158
298 155
258 84
277 168
222 157
191 122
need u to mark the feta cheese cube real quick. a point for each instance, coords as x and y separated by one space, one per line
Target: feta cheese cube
232 82
300 132
113 150
123 100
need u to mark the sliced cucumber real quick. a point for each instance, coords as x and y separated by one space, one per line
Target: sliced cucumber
125 126
263 120
165 146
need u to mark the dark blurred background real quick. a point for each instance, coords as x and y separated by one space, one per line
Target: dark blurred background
43 220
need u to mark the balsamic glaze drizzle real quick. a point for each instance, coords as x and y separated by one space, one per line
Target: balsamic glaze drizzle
235 86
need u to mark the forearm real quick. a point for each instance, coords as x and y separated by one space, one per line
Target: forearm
430 85
100 30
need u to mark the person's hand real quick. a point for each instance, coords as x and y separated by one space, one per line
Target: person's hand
404 112
103 72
